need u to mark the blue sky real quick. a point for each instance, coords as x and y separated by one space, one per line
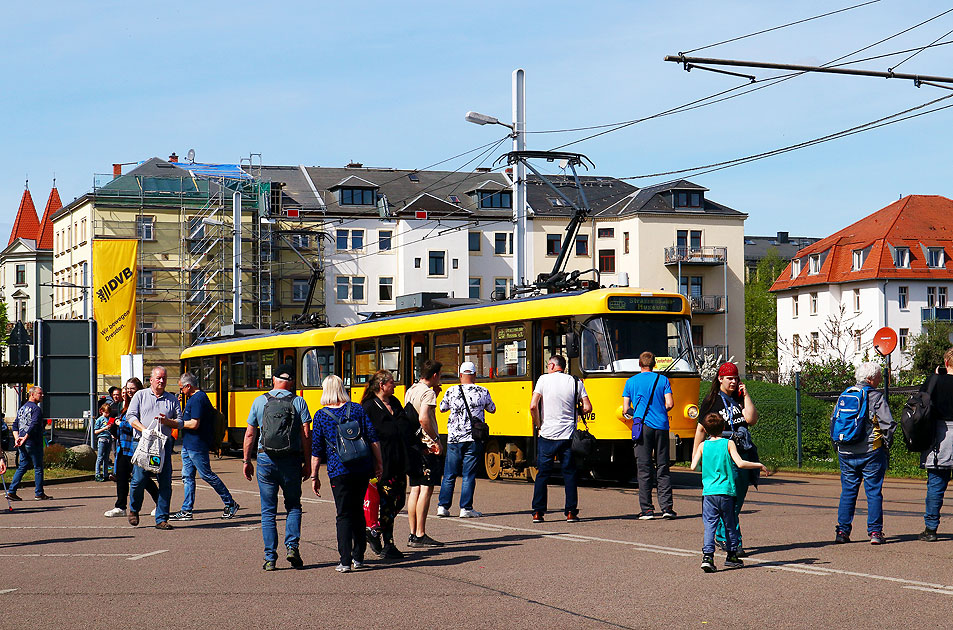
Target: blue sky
387 84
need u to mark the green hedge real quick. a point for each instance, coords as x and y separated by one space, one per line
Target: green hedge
776 431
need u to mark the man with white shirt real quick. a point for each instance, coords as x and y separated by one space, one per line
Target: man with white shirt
554 413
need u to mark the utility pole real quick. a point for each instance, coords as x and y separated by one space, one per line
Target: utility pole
519 179
236 258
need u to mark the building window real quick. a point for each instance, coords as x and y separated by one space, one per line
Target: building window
858 260
795 268
796 345
385 289
82 233
196 286
501 288
21 274
147 282
358 197
384 238
813 304
935 258
815 342
941 297
476 288
349 240
607 261
688 200
299 290
814 264
901 257
552 244
691 286
145 229
625 242
301 241
857 342
931 297
856 300
350 289
582 245
147 338
501 199
695 239
904 336
437 263
503 243
606 232
473 242
902 298
795 303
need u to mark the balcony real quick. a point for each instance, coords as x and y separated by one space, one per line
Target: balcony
709 304
716 354
696 255
937 314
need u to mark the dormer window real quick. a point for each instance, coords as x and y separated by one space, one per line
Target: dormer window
795 268
858 260
814 264
688 199
358 196
935 258
498 199
901 257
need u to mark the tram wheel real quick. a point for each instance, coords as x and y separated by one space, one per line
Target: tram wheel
493 459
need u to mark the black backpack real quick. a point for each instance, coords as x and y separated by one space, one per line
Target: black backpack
280 428
917 421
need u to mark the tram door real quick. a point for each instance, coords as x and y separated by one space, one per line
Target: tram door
552 341
419 345
222 387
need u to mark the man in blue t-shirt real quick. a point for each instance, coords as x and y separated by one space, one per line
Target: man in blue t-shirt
28 439
647 399
198 430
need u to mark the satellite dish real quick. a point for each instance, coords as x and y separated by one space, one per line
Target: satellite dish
191 156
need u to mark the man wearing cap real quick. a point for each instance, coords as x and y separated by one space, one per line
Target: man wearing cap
466 401
279 471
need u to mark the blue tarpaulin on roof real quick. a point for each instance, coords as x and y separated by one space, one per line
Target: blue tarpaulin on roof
229 171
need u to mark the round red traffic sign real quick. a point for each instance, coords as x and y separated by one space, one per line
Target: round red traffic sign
885 340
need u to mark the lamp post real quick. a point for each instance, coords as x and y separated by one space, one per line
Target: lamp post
519 176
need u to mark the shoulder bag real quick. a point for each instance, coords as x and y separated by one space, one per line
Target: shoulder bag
350 444
583 442
150 452
479 429
638 423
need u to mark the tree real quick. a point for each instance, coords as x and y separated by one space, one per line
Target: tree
927 348
4 325
761 315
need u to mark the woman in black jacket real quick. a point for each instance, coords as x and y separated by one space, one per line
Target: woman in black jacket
393 430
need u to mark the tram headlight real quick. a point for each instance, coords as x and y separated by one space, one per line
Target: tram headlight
692 411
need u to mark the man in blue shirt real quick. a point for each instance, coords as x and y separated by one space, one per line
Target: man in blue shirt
285 472
28 438
647 399
197 436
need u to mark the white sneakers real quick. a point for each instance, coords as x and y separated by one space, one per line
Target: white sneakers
470 514
114 512
153 512
442 511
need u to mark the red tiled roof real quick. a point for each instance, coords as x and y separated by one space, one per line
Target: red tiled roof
26 224
916 222
45 239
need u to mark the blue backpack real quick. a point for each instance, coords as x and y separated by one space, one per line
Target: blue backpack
848 422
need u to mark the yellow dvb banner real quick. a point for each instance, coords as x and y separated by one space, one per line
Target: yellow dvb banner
114 286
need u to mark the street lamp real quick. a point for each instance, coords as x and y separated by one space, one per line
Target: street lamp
482 119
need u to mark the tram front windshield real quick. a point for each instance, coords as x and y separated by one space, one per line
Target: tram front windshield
613 343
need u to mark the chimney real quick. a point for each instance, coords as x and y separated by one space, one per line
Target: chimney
173 158
354 165
482 169
117 170
783 237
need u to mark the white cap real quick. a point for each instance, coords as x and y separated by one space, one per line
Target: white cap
467 367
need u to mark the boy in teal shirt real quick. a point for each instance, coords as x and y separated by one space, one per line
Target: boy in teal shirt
721 463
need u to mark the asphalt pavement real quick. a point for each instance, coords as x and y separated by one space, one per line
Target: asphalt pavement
63 565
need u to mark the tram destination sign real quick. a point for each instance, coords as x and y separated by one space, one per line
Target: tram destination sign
649 303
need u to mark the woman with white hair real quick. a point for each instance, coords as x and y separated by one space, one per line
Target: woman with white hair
348 479
864 459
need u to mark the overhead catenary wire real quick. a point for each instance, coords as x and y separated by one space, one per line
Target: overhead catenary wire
920 51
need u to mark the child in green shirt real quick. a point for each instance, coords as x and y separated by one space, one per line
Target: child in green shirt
721 463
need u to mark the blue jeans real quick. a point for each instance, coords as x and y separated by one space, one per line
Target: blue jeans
197 461
546 452
102 457
742 481
462 457
937 481
718 510
164 479
30 453
284 473
869 468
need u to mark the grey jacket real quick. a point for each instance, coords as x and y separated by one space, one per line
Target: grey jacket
880 418
941 455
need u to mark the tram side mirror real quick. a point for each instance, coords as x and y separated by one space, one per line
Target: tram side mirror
572 345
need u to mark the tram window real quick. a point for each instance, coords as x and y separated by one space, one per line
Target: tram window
478 347
237 368
266 368
365 361
419 352
316 364
511 350
446 349
595 351
208 374
390 356
252 370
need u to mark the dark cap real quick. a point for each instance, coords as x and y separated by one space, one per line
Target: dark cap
285 372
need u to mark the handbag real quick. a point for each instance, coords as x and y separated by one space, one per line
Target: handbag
350 444
479 429
150 451
638 423
583 442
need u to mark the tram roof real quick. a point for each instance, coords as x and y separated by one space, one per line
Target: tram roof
265 341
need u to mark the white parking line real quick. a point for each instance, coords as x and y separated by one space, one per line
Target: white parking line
8 590
64 527
146 555
63 555
944 591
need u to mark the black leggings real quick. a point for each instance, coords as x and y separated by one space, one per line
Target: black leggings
123 473
349 491
393 494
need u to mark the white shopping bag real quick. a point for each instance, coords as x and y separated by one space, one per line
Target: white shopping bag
150 452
